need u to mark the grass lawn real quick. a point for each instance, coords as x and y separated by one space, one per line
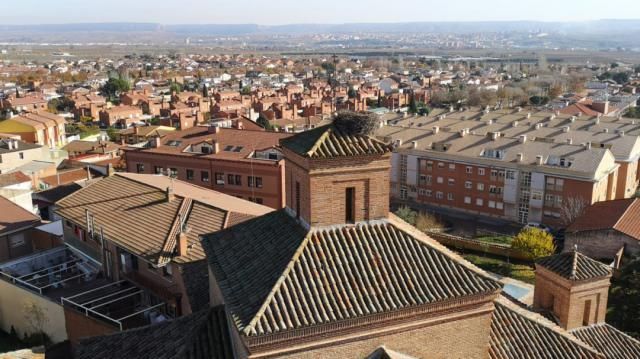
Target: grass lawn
7 343
521 272
506 240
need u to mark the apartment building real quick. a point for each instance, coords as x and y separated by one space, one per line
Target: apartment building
39 127
123 116
518 176
241 163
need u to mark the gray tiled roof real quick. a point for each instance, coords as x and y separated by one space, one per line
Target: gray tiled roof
327 141
277 277
609 341
201 335
574 266
517 333
195 276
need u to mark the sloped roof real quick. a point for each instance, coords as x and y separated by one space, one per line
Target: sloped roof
132 211
201 335
327 141
622 215
11 178
14 217
574 266
609 341
518 333
276 276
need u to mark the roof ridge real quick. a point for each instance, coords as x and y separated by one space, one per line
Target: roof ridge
176 228
267 301
427 240
320 140
626 211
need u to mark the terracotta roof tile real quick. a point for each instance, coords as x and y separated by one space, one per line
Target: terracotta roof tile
327 141
609 341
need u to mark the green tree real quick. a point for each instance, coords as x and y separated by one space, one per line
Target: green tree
262 121
534 242
175 87
407 214
328 67
621 78
246 90
413 106
205 91
538 100
624 299
352 92
115 86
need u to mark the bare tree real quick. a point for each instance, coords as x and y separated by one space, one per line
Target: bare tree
571 209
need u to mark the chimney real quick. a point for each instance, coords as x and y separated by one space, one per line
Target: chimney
414 144
436 129
495 135
573 119
538 126
110 170
463 132
240 125
135 130
156 142
183 244
522 138
216 147
597 121
569 141
514 124
490 122
169 195
539 160
88 173
398 142
566 129
587 145
528 114
606 130
520 157
621 133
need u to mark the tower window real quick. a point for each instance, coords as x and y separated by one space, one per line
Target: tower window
350 205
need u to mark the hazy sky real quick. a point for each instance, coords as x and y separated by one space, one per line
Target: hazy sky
269 12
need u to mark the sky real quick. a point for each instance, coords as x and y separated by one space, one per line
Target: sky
276 12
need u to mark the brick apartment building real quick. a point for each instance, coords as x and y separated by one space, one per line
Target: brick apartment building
334 274
508 164
241 163
122 116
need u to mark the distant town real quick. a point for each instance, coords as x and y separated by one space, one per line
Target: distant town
425 195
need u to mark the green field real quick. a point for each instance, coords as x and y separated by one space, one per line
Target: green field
501 267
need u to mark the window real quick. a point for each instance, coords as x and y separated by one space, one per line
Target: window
255 200
428 180
219 178
499 205
480 186
440 164
204 176
439 180
140 167
253 181
350 205
468 184
450 196
452 167
189 175
511 175
479 202
586 317
469 170
429 165
491 204
559 184
451 181
467 200
235 180
480 171
173 172
157 170
439 195
21 154
428 193
494 173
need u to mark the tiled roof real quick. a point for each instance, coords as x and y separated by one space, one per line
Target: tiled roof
195 276
11 178
57 193
201 335
609 341
133 212
14 217
276 276
327 141
574 266
518 333
622 215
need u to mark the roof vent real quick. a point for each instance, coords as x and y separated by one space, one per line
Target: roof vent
528 114
569 141
587 145
414 144
539 160
572 119
621 133
514 124
566 129
522 138
436 129
606 130
520 157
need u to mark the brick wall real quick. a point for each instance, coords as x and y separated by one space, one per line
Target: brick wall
601 244
469 335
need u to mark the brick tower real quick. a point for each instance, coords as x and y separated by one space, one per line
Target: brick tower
335 178
573 287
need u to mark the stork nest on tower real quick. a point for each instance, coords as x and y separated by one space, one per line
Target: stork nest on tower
356 123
